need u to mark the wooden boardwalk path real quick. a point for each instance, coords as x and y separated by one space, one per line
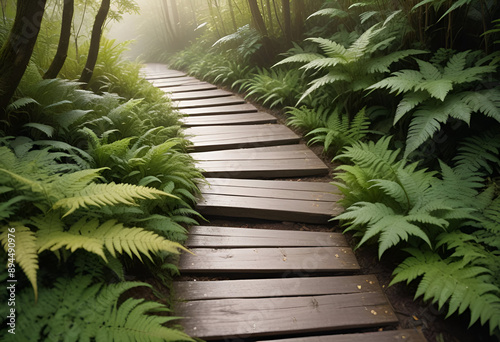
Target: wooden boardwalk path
279 285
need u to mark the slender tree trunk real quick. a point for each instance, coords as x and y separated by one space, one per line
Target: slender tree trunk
95 41
224 32
287 20
257 17
62 48
231 11
193 11
299 12
17 50
175 18
270 15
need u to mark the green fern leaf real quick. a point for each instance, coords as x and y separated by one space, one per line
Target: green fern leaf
484 101
401 81
330 12
20 241
107 194
409 102
112 236
300 58
331 48
381 64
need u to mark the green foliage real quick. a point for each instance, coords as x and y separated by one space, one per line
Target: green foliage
274 87
78 309
445 221
434 93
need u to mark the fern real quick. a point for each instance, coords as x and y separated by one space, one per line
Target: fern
80 310
434 93
94 237
454 282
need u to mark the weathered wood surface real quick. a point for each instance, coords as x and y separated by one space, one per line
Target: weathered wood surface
155 69
261 163
220 110
206 236
230 137
219 101
229 119
310 202
382 336
252 317
175 81
191 87
198 95
268 260
278 287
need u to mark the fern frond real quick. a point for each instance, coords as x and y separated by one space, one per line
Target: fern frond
463 286
381 64
330 12
107 194
300 58
409 102
111 236
331 48
20 242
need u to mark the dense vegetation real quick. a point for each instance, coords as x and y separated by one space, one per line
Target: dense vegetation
95 188
406 95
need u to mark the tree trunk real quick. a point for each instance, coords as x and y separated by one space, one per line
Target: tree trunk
175 19
231 11
257 17
287 20
17 50
95 41
300 13
62 48
270 15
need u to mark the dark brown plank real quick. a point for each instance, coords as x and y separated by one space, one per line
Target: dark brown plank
296 151
212 319
268 208
280 287
205 236
240 140
315 196
271 184
253 129
381 336
198 95
220 101
262 260
229 119
191 87
218 110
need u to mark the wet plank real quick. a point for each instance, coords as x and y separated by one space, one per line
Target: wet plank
381 336
191 87
221 101
278 287
257 163
218 110
229 119
205 236
198 95
268 260
213 319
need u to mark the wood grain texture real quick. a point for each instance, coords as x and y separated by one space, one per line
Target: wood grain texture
212 319
207 236
191 87
280 287
381 336
229 119
198 95
268 260
220 110
220 101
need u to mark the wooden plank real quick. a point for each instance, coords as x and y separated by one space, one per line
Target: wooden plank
280 287
381 336
220 101
296 151
268 208
315 196
191 87
268 260
220 110
176 81
229 119
252 129
152 69
164 75
240 140
198 95
205 236
272 184
213 319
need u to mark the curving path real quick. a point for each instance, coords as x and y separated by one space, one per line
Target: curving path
279 285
